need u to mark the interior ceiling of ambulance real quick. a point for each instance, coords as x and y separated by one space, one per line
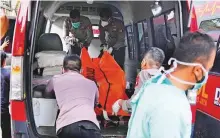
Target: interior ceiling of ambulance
131 11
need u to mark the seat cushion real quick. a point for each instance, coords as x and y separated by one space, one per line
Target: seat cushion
50 58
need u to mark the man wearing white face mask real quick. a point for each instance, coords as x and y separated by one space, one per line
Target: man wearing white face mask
150 66
112 35
161 108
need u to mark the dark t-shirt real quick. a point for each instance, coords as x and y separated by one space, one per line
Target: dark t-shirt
5 88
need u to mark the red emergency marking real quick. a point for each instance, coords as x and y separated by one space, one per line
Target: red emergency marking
208 9
18 112
20 30
206 97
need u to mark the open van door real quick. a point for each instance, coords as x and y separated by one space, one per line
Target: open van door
208 103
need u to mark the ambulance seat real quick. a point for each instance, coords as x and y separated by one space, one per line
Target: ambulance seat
49 51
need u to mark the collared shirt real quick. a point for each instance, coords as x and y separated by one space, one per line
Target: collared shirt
76 97
160 111
5 88
84 33
143 76
113 34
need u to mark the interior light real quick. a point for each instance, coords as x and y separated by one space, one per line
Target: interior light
156 8
89 1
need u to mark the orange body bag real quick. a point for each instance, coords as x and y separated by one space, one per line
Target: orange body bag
109 77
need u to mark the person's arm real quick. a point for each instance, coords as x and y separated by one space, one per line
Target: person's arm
89 33
126 104
66 31
102 34
4 45
117 33
167 123
49 91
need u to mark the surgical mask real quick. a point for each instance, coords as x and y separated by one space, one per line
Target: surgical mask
76 25
104 23
196 85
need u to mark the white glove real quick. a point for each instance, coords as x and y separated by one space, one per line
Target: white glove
116 107
110 50
105 48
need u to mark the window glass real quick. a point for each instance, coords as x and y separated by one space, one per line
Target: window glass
143 42
165 33
211 27
216 66
95 29
130 42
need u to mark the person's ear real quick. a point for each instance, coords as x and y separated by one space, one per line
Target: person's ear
198 72
143 64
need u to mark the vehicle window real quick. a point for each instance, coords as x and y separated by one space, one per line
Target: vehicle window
210 25
130 42
143 40
216 66
165 33
95 29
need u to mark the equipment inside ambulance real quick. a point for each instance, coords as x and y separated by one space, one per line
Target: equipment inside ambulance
38 45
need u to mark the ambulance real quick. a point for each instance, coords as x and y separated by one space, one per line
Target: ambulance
38 28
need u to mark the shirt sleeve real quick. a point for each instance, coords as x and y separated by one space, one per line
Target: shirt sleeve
165 123
102 34
118 34
49 91
89 33
126 105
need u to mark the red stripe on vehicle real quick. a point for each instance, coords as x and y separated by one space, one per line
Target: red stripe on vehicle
18 112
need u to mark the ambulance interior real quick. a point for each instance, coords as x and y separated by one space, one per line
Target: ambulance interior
141 27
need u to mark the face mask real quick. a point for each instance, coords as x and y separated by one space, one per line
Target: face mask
196 85
104 23
76 25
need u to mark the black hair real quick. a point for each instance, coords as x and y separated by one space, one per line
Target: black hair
194 46
72 62
105 13
74 14
3 57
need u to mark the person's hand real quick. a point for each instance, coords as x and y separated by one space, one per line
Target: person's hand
5 44
116 107
110 49
81 45
105 48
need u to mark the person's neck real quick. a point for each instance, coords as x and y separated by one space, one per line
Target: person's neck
177 83
71 71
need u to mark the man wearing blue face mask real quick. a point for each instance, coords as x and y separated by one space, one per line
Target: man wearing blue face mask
77 32
161 108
